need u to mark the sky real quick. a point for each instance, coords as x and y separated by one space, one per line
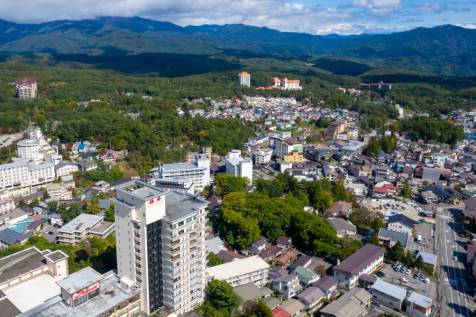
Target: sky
310 16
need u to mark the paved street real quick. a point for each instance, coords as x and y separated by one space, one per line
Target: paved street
455 291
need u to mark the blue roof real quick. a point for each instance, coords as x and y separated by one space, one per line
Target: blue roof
9 236
394 236
390 289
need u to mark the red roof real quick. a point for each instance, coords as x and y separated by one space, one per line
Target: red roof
26 81
385 189
279 312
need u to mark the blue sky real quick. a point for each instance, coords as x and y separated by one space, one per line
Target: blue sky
311 16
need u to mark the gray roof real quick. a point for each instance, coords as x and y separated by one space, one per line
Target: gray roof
292 306
20 263
179 167
389 289
394 236
350 304
251 291
80 280
340 224
401 218
420 300
311 295
179 204
111 294
8 309
9 236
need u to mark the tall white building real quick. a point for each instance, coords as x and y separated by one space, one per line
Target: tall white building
244 78
29 149
21 173
197 171
26 88
236 165
160 243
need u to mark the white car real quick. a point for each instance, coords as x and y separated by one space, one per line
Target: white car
408 272
455 258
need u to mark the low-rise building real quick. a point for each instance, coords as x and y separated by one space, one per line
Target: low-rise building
388 238
401 223
328 285
9 237
66 168
87 293
366 260
418 305
312 298
343 228
84 226
388 294
287 286
354 303
241 271
239 166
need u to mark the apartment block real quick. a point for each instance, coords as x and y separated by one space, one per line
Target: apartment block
26 88
21 173
236 165
244 79
160 243
83 227
238 272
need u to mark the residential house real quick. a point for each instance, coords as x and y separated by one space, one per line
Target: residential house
306 276
340 209
294 307
343 228
401 223
388 238
328 285
287 286
354 303
418 305
312 298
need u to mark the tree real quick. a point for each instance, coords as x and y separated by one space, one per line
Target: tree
256 309
406 190
214 260
225 184
109 214
220 297
396 253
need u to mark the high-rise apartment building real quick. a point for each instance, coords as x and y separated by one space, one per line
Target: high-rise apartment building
160 243
244 79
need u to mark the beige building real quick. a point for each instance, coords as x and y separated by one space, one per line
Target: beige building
26 88
83 227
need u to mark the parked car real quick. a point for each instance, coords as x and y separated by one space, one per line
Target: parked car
408 272
380 273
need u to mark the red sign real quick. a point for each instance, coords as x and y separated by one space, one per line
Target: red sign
85 291
152 200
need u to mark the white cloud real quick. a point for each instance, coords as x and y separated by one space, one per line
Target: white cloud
378 6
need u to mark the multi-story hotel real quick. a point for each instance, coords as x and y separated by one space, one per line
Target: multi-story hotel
21 173
197 171
160 243
244 78
84 226
26 88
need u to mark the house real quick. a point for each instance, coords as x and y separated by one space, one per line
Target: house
312 298
306 276
340 209
214 245
9 237
418 305
285 258
384 189
294 307
228 256
328 285
302 260
287 286
284 243
401 223
470 208
427 257
352 304
388 294
343 228
279 312
388 238
366 260
259 245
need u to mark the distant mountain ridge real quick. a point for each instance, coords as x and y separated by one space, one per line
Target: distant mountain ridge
446 50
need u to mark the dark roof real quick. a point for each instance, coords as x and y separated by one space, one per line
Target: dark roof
8 309
394 236
403 219
9 236
359 259
20 263
326 282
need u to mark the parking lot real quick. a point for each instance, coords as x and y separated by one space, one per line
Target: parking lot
396 278
427 233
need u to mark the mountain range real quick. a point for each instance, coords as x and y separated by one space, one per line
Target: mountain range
442 50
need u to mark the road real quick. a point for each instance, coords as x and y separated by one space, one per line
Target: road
455 291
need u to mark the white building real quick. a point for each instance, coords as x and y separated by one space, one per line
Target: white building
84 226
160 243
262 156
238 272
27 88
236 165
418 305
66 168
197 171
7 203
20 173
30 150
60 191
244 79
286 84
